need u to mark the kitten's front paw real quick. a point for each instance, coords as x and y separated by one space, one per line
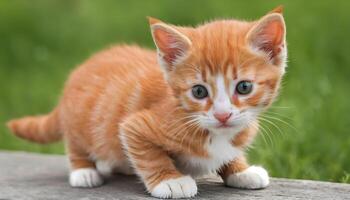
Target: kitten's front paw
183 187
252 178
85 177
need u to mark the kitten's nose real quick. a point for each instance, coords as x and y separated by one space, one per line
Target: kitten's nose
222 117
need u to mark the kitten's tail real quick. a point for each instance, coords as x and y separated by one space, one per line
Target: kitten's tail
41 129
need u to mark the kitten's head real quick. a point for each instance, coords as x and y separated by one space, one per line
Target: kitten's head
224 73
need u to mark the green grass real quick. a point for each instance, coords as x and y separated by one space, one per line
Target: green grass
42 41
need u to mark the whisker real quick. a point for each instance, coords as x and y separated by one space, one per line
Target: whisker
279 107
263 131
182 127
280 120
278 114
273 124
268 133
180 120
195 124
194 133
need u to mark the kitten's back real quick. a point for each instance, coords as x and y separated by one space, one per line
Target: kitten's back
112 80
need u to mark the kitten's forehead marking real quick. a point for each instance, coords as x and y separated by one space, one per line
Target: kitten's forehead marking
206 74
229 73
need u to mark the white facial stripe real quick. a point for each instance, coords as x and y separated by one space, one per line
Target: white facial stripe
222 101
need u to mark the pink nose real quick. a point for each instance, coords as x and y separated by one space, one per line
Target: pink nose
222 117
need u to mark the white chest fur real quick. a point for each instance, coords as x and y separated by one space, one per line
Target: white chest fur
220 152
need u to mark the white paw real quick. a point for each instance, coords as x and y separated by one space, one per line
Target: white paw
252 178
85 177
183 187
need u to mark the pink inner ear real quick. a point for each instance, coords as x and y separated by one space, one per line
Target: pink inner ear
272 38
169 44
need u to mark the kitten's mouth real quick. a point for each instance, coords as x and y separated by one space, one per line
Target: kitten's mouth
223 126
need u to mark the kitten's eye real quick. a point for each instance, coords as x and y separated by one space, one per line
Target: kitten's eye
199 91
244 87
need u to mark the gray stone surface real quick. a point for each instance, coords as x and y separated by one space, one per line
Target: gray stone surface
36 176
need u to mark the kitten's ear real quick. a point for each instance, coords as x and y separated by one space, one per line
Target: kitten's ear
172 45
268 35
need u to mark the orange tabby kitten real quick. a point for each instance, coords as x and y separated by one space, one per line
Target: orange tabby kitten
188 114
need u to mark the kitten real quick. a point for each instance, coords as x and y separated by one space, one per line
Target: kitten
191 112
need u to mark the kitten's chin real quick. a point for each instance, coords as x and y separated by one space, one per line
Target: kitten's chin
225 129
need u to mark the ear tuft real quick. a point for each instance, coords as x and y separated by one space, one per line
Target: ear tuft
279 9
152 20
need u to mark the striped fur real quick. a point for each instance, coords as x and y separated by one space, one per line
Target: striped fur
128 107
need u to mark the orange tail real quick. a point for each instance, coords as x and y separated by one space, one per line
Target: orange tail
41 129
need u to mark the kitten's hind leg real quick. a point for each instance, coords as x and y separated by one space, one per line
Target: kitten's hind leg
150 161
83 171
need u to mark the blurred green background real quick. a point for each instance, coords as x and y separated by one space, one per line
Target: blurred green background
41 41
